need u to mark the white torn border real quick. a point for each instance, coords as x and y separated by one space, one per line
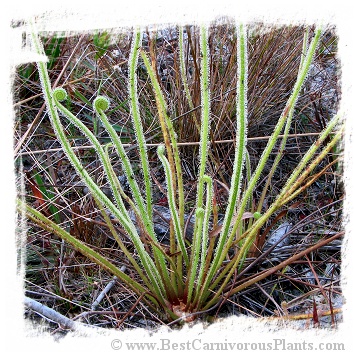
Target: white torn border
73 16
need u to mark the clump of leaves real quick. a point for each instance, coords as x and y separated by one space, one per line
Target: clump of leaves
192 276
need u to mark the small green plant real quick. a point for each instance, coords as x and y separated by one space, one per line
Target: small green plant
194 276
101 42
42 194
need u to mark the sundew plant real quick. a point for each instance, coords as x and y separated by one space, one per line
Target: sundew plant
195 275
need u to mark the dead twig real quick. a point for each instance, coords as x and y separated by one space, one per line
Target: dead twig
107 288
54 316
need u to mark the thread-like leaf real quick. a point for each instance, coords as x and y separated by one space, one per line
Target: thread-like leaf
241 135
240 151
169 137
137 122
205 112
101 104
172 203
205 238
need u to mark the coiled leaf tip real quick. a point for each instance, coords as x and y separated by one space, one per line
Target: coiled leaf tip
161 150
257 215
101 103
60 94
